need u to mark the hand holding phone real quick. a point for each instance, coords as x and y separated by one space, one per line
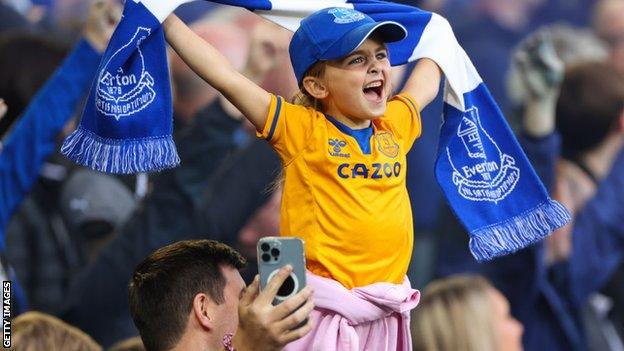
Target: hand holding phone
265 327
275 253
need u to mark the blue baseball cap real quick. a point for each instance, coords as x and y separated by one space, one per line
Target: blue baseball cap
335 32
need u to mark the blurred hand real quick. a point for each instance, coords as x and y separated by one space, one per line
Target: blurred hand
269 45
540 67
540 73
3 108
264 327
104 15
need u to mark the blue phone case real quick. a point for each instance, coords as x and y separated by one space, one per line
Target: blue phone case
273 254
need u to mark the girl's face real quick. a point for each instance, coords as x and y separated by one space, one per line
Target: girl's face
358 85
508 329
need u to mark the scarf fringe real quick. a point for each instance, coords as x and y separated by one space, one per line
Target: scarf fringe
121 156
518 232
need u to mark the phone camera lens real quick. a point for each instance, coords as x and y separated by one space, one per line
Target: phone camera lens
275 252
266 257
265 247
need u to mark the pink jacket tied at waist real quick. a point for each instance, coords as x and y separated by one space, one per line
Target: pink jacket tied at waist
374 317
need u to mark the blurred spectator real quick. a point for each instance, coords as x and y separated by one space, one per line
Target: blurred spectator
191 93
69 15
590 120
609 25
570 12
265 222
50 244
34 137
464 313
22 70
132 344
38 331
10 19
206 305
94 205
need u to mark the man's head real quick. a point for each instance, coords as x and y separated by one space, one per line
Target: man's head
609 25
590 106
186 289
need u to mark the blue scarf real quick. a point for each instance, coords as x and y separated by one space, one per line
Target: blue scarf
482 170
127 122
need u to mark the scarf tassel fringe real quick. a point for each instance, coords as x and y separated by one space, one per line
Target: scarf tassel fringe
518 232
120 156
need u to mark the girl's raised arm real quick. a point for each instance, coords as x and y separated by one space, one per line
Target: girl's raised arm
216 70
424 82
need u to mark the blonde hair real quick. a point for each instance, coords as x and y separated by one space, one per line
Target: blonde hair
35 331
302 97
455 314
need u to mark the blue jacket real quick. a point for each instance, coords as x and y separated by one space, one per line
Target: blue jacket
548 300
33 138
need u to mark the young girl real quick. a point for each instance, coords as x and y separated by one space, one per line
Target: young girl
343 155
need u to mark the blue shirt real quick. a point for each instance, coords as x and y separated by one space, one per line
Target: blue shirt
33 138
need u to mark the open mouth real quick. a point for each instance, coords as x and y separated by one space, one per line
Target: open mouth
374 90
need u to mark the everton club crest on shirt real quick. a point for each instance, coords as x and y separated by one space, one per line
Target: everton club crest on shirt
387 145
482 172
126 90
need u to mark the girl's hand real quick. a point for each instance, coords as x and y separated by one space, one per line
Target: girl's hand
104 15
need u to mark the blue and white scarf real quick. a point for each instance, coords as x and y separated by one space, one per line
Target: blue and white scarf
127 123
481 168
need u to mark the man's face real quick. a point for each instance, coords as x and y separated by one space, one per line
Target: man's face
609 25
226 316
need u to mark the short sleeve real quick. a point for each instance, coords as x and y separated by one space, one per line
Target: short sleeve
402 113
287 127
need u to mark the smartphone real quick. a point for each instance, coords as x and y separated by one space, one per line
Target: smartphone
273 254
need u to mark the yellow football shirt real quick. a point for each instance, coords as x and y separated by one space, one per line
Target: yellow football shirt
351 208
